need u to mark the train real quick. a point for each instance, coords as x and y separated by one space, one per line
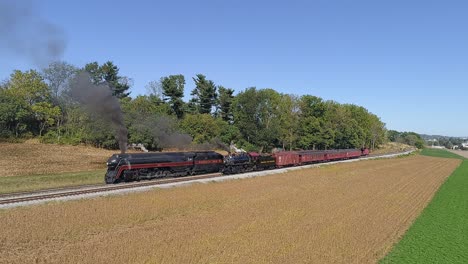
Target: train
141 166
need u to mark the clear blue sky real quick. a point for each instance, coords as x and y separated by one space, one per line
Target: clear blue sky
405 61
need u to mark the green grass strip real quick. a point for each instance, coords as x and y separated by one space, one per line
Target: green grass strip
442 153
440 233
46 181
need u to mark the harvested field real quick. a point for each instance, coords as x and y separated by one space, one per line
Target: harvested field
345 213
33 158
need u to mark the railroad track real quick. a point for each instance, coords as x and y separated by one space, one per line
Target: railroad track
12 199
58 189
23 197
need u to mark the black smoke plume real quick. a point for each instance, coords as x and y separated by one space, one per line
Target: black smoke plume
98 99
213 144
25 32
162 129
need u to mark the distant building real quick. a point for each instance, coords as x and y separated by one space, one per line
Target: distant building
431 142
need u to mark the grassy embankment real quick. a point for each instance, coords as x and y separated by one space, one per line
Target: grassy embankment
12 184
440 234
32 166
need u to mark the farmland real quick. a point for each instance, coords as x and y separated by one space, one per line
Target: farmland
342 213
440 234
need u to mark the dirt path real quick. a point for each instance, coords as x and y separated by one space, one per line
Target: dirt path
462 153
345 213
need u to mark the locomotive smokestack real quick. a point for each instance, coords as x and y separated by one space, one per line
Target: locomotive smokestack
99 100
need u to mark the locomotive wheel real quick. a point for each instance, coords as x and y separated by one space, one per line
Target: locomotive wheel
109 179
225 171
158 173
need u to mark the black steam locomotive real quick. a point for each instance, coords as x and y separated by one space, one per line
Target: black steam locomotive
138 166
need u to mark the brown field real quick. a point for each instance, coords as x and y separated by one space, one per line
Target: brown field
345 213
34 158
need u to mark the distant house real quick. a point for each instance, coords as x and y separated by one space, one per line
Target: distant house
465 145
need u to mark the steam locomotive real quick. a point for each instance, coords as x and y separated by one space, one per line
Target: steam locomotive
139 166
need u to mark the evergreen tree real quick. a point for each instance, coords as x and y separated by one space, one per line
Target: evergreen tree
225 98
204 94
108 72
173 90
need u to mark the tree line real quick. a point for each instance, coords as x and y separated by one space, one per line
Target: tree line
39 104
408 138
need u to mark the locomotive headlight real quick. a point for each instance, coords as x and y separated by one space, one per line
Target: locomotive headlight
111 162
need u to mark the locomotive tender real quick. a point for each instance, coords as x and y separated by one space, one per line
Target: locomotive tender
138 166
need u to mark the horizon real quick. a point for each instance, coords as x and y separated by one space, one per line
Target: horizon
404 62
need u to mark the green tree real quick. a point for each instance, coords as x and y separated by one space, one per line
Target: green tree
225 97
412 139
409 138
203 95
173 91
109 72
144 105
29 86
289 111
46 114
256 115
314 132
393 135
14 115
23 91
57 75
346 128
377 131
197 126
